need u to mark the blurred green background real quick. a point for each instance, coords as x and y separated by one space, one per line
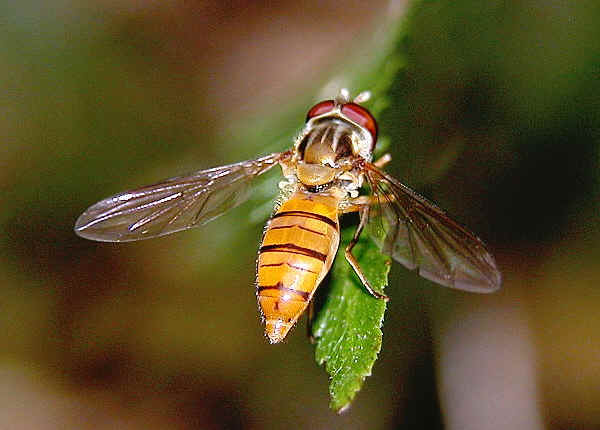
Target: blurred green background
495 115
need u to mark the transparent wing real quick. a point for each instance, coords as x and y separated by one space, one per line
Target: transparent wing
419 235
172 205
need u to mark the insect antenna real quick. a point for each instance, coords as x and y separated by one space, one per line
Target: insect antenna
362 97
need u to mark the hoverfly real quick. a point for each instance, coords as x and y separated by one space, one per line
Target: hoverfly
324 171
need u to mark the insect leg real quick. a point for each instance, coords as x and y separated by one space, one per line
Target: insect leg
358 203
363 211
383 160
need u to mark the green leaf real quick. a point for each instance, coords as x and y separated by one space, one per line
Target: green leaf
347 328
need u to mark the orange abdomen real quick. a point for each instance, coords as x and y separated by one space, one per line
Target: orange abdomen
296 253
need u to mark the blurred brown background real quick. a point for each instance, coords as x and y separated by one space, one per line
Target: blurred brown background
495 116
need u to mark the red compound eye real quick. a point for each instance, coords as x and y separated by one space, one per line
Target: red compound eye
362 117
320 109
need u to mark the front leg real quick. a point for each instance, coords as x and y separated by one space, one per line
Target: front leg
382 161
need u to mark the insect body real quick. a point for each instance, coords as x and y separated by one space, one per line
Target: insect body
324 172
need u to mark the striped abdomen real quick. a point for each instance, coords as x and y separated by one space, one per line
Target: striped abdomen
297 251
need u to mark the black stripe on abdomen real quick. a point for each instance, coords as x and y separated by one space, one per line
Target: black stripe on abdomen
293 266
280 287
310 215
280 227
293 249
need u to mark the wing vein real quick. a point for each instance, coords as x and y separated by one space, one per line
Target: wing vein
419 235
168 206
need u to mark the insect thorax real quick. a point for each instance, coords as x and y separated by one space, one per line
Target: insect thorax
326 156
